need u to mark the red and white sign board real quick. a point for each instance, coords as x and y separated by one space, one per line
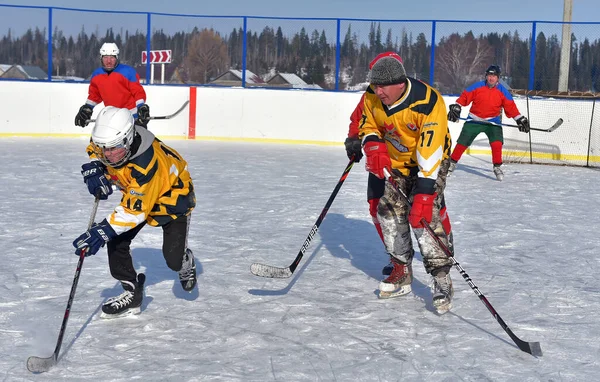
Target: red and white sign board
157 56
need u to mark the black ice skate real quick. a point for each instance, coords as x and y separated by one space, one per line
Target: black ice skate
127 303
442 291
398 282
187 274
498 172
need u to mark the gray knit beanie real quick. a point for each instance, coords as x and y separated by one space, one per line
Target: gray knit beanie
387 71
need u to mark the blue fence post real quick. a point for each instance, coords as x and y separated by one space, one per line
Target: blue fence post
148 45
338 55
244 51
532 58
50 44
432 58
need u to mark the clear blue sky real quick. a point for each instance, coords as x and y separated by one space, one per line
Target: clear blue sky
509 10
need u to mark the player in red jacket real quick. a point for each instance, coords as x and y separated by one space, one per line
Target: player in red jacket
116 85
489 97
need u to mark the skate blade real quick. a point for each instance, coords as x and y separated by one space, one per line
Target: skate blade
403 290
129 312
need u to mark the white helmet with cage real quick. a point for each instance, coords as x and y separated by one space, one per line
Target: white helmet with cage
113 136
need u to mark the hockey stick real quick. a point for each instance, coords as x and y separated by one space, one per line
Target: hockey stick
158 117
264 270
548 130
39 364
532 348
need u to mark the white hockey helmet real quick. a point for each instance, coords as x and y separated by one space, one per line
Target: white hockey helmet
109 49
113 136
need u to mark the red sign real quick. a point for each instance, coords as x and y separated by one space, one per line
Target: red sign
157 56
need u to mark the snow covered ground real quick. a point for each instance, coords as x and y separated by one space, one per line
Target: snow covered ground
529 243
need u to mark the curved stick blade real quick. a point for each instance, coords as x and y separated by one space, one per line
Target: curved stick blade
264 270
40 365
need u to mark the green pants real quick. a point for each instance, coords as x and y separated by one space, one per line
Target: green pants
472 129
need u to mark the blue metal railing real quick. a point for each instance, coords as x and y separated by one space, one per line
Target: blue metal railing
498 42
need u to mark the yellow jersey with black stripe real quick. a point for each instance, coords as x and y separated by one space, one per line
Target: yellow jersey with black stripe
415 128
156 185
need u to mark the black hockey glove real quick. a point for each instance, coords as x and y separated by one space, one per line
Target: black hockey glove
523 123
95 179
143 112
454 112
353 148
83 115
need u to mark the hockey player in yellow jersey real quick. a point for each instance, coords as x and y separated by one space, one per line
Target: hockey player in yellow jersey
404 129
156 189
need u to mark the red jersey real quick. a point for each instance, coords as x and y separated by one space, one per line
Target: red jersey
119 88
488 102
355 118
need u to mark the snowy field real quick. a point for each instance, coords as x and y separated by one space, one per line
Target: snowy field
530 243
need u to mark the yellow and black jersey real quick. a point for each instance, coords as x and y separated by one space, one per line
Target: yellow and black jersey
156 185
415 128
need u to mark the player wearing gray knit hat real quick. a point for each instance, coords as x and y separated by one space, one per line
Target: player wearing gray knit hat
387 70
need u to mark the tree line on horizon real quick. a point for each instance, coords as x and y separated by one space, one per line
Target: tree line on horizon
203 54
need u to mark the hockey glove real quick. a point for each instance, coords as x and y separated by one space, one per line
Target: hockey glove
143 112
83 115
93 239
353 148
377 158
454 112
523 123
94 178
422 207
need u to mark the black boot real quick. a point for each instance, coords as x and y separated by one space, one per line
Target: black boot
128 302
187 274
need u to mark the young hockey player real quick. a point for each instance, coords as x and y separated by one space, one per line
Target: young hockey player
156 189
489 97
117 85
404 130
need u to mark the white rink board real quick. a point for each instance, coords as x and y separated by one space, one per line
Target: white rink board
296 116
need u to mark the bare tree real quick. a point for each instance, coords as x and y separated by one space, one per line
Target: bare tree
207 56
461 60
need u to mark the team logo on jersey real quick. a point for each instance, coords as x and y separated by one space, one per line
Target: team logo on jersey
412 126
393 136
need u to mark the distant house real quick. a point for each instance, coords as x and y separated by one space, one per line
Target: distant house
290 80
233 77
4 68
24 72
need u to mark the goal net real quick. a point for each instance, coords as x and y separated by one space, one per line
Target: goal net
576 142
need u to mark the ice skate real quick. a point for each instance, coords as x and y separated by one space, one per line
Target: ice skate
127 303
398 282
498 172
187 274
442 291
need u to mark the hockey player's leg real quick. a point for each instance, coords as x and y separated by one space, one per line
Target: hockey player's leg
393 216
121 268
375 188
176 253
496 140
436 262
